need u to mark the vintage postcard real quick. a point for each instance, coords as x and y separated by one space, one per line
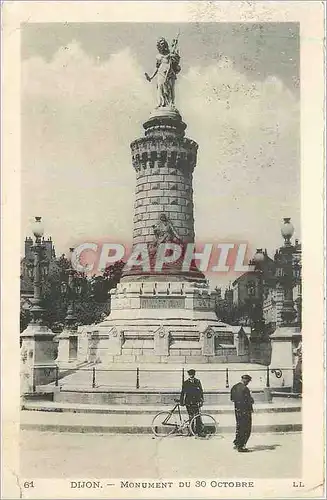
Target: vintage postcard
163 250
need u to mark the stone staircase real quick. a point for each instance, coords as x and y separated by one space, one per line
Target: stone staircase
281 416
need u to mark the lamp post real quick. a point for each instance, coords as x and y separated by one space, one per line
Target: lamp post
37 347
38 249
258 320
285 272
68 338
71 288
288 333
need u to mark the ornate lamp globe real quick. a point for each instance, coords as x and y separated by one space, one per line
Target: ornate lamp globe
258 257
287 230
37 227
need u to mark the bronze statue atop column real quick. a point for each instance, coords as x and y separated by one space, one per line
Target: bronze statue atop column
167 69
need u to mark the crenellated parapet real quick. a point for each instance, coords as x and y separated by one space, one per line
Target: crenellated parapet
161 152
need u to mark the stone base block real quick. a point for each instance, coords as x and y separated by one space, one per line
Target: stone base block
177 359
139 397
110 358
128 358
185 352
179 325
148 358
196 359
223 359
164 359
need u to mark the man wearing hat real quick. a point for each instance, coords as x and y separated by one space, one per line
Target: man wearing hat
192 397
243 402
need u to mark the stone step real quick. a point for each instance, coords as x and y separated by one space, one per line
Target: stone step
119 396
141 424
61 407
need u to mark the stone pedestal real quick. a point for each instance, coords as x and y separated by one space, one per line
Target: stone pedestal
283 342
83 344
178 324
38 353
161 341
67 347
208 341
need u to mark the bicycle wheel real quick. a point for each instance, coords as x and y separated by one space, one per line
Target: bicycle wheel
206 426
163 424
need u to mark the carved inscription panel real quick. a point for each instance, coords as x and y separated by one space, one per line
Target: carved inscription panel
162 303
203 303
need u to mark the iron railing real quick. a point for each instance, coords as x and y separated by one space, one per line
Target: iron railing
135 381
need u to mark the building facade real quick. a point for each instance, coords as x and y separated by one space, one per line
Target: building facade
263 288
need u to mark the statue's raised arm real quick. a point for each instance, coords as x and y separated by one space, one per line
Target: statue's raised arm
167 68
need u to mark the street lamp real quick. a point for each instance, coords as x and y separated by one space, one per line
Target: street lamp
37 248
287 230
72 288
258 262
297 280
287 334
285 272
38 354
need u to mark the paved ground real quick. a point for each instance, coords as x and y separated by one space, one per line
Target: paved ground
61 455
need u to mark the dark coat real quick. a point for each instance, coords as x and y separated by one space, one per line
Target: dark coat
192 392
241 396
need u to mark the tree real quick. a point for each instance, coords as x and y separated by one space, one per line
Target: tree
97 303
92 303
228 313
54 301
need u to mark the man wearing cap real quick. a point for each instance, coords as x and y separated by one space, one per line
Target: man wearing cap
192 397
243 402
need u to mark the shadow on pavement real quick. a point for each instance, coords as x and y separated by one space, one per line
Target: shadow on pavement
264 447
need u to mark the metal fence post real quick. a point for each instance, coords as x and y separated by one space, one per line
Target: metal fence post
57 376
227 379
34 375
137 378
267 379
93 377
293 385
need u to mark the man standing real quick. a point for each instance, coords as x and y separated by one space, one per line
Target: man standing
243 402
192 397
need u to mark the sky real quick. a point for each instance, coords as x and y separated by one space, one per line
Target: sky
84 99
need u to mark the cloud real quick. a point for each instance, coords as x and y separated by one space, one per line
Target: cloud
248 173
79 116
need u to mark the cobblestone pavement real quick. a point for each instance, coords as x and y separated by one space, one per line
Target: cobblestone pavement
62 455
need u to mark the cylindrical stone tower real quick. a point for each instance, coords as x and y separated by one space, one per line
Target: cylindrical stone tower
164 161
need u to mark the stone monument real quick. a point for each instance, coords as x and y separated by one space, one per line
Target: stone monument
166 314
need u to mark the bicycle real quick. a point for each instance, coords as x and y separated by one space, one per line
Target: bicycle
166 423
